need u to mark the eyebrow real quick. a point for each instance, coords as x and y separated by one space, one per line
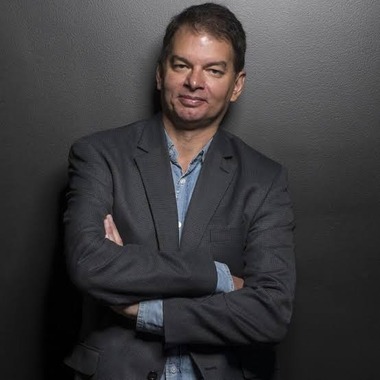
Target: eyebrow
210 64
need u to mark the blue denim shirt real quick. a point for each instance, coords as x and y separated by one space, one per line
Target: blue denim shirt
150 316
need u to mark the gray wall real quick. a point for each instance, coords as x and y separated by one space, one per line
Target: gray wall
69 68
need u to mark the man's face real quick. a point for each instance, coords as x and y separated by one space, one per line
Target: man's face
197 80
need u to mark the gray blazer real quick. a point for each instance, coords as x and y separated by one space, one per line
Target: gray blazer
240 214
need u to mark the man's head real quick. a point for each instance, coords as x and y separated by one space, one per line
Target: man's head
201 67
214 19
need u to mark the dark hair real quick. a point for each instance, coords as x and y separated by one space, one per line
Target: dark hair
214 19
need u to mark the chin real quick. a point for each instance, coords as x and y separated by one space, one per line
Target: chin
191 123
192 117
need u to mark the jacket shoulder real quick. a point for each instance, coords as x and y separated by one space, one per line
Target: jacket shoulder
250 158
127 135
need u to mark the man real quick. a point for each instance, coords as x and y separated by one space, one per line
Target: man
178 233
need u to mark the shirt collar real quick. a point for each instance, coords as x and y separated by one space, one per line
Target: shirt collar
173 153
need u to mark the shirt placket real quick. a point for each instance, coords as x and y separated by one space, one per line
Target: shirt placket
178 366
183 186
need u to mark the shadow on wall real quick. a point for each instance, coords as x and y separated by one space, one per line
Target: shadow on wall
63 309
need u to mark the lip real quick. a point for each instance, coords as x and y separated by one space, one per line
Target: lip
191 101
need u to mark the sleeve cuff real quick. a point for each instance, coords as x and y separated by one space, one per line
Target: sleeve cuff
225 283
150 317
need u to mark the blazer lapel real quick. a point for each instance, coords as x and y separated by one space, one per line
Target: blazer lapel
153 163
217 172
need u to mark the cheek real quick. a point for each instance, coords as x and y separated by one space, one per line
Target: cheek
220 89
172 82
170 88
221 94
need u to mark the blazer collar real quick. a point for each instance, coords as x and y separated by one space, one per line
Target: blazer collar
153 163
214 179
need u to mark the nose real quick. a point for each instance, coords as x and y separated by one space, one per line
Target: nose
195 79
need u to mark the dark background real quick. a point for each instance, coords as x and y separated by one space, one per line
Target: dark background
70 68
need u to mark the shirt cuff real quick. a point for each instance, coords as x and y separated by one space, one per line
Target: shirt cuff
150 317
225 283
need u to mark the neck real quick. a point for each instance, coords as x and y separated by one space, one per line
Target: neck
188 142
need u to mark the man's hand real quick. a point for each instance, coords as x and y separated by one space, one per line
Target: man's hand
130 311
113 234
238 282
111 231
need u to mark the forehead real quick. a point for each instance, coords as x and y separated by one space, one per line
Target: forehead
190 43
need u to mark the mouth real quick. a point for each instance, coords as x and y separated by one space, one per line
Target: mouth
191 101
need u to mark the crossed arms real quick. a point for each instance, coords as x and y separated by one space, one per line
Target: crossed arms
124 275
131 311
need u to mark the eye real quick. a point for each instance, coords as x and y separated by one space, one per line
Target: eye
179 66
215 72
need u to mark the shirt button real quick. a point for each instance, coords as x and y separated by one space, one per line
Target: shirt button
182 181
179 224
173 369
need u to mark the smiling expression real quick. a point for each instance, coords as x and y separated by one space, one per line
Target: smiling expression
198 80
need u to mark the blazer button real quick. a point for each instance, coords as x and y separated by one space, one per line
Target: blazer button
152 375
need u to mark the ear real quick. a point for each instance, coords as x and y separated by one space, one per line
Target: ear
159 77
238 87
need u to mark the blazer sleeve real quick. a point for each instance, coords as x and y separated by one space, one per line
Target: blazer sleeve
110 273
261 310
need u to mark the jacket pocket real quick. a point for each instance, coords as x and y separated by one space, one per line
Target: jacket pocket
84 359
